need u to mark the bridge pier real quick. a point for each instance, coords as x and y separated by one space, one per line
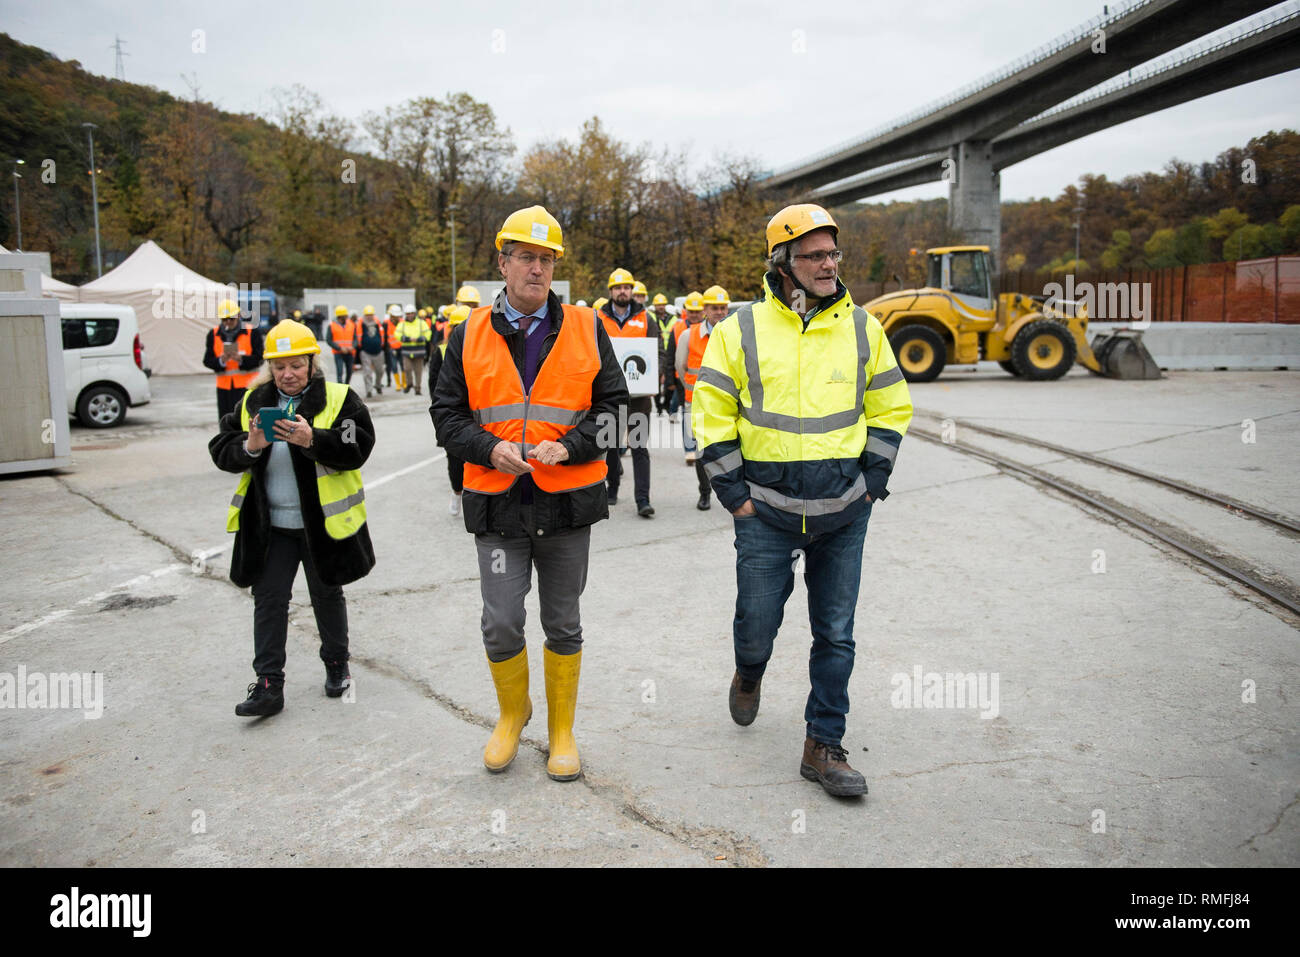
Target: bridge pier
975 197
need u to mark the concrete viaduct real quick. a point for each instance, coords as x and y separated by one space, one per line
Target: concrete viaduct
1050 97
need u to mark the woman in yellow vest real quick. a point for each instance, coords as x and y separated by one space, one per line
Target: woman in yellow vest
299 500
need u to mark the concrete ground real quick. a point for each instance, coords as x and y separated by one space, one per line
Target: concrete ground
1141 714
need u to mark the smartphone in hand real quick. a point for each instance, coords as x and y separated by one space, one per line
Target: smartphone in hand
267 417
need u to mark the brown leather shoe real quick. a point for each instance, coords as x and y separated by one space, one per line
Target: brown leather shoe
828 765
743 699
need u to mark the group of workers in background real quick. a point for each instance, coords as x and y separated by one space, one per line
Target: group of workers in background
393 350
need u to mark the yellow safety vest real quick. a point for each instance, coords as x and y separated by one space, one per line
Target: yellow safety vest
793 396
342 498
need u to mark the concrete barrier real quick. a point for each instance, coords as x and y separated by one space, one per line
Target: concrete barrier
1216 345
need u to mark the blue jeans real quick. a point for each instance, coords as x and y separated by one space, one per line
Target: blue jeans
343 366
766 559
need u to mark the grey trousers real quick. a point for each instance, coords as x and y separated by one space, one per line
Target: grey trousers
505 568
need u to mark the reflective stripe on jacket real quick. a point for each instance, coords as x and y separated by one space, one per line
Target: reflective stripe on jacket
806 422
342 497
233 378
559 400
696 345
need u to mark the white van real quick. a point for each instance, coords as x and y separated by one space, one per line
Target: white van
103 362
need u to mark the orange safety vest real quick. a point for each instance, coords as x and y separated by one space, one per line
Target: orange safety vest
559 400
695 357
634 327
343 335
232 378
390 327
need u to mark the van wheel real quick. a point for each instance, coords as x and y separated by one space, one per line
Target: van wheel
101 407
920 353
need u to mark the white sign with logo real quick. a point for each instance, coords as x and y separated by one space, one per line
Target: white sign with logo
639 360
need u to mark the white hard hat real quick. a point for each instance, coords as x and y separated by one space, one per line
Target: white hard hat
581 302
394 310
410 307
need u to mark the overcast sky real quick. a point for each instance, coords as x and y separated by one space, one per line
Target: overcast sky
707 76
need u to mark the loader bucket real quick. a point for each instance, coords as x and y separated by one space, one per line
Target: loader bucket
1121 355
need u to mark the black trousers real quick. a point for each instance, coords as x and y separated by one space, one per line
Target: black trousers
638 428
705 487
271 594
228 401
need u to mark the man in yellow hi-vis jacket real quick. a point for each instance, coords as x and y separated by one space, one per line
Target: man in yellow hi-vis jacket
799 410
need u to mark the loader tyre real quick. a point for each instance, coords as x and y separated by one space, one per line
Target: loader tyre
1008 366
920 353
1043 350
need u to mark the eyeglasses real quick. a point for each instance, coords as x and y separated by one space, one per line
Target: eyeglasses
816 259
528 259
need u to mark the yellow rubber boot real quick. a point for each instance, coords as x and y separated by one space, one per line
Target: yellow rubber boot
511 680
400 378
561 700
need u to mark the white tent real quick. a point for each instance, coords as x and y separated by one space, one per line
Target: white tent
54 288
175 306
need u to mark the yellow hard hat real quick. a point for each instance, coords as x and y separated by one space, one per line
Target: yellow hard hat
289 338
794 221
659 300
227 309
457 314
467 293
598 303
694 302
297 313
341 310
532 225
715 296
620 277
422 313
368 311
639 289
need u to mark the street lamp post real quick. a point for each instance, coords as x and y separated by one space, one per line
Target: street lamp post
18 206
451 208
94 196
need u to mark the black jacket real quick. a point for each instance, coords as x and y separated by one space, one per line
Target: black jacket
249 363
338 561
464 438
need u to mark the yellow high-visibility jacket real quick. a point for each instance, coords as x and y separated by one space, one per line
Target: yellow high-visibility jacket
806 422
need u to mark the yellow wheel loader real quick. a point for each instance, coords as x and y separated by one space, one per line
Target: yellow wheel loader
956 320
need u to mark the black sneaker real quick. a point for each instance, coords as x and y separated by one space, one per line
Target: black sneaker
337 678
265 697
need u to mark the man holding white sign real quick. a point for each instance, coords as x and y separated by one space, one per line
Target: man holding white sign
634 338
